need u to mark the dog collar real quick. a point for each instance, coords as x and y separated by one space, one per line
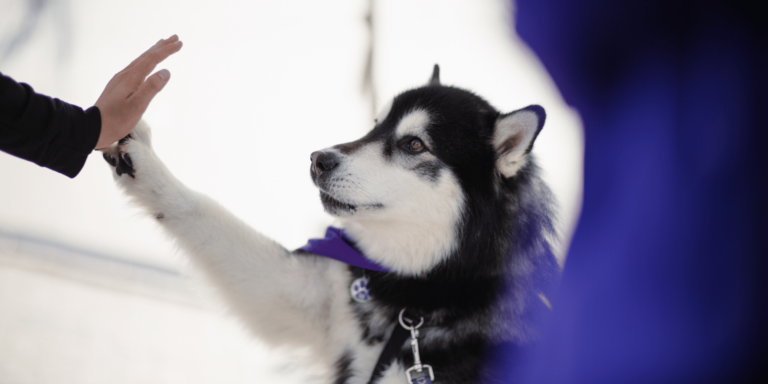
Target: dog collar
336 245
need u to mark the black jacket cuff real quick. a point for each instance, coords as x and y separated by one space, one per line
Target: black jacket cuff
82 134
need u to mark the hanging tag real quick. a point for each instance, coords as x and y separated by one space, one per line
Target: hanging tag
421 380
419 373
359 290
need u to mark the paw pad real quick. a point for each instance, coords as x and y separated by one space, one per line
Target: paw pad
121 160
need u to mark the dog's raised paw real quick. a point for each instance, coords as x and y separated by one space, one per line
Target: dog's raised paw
121 160
111 160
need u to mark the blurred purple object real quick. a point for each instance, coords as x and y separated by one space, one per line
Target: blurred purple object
666 278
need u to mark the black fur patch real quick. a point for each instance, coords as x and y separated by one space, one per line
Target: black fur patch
111 160
429 169
364 319
343 371
349 148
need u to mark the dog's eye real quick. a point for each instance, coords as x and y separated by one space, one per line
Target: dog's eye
416 145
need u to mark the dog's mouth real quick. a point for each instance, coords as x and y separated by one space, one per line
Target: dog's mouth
334 206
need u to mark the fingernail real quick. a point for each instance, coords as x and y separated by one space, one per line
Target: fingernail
164 74
179 43
174 35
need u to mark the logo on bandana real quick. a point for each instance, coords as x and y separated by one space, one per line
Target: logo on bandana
359 290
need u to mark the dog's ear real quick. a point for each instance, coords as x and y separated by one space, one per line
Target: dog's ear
513 137
435 79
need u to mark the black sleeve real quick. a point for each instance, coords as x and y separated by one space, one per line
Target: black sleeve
46 131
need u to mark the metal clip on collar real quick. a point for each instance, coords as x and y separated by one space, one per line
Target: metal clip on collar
417 365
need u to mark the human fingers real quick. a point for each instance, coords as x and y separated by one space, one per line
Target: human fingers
160 44
163 42
140 56
149 89
150 60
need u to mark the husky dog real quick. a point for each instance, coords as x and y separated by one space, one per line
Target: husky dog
443 193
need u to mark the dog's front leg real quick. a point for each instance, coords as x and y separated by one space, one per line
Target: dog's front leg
284 298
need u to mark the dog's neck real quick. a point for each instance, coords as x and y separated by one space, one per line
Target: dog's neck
408 248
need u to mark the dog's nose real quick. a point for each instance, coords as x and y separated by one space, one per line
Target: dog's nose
323 162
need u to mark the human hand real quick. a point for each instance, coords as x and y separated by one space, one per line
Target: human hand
130 91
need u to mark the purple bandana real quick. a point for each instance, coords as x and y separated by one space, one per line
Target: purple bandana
336 245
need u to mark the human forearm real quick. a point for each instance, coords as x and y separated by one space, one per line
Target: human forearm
44 130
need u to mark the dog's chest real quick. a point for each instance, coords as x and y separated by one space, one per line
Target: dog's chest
360 359
363 336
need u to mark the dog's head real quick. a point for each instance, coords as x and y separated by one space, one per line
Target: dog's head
404 189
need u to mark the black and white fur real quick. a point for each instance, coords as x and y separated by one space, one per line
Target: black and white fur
443 191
